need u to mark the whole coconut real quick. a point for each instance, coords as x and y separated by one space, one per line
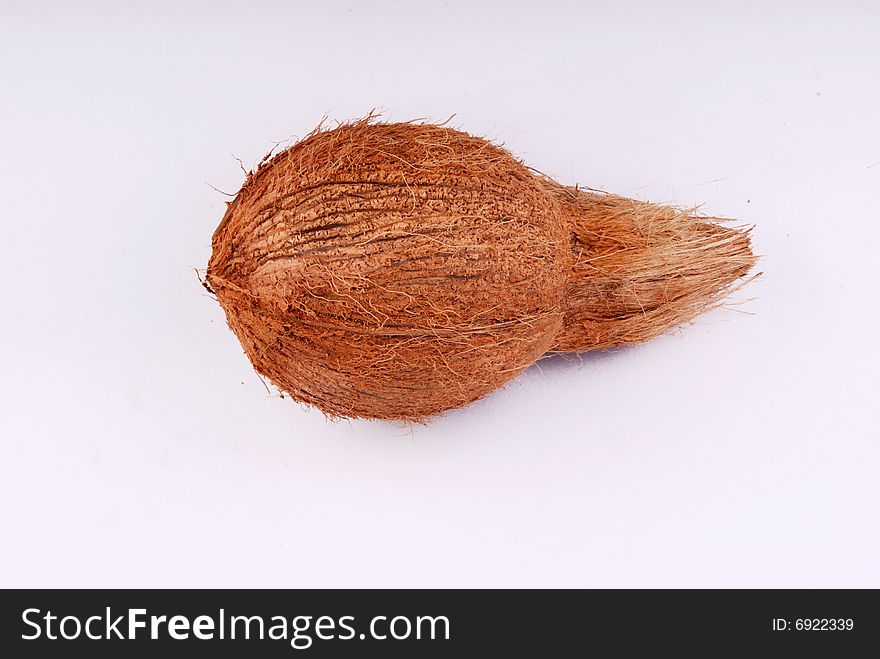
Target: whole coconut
395 271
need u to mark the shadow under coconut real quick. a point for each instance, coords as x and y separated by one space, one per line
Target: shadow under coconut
549 367
561 361
546 368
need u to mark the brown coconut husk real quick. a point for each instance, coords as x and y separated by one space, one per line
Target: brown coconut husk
640 269
395 271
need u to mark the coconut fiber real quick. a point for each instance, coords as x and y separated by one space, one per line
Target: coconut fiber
397 270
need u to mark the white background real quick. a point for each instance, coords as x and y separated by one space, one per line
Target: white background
140 449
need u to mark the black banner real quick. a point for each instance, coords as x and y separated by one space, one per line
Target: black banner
431 623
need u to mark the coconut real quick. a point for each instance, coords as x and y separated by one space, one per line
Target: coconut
397 270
